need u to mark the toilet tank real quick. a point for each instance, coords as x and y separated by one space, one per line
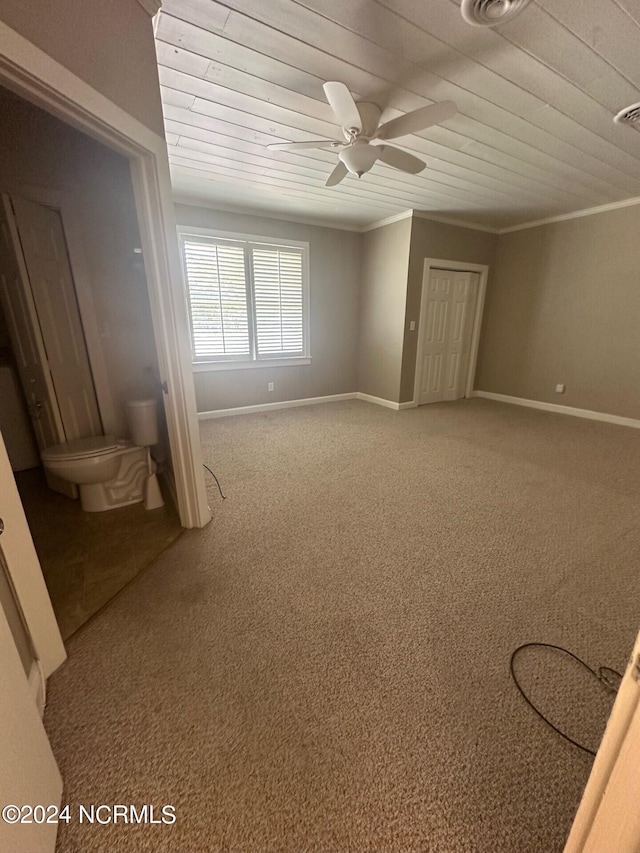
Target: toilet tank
143 422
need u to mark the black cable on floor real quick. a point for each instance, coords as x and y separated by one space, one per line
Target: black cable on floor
603 674
224 497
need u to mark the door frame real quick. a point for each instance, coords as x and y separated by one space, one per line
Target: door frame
457 266
35 76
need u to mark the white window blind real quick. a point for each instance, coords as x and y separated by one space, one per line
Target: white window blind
277 287
247 299
218 297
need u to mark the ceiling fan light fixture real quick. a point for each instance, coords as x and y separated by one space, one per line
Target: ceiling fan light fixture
629 115
490 13
359 157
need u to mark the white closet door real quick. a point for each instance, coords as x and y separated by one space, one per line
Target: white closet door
446 320
28 346
45 254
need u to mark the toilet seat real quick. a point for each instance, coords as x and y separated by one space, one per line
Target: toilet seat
81 448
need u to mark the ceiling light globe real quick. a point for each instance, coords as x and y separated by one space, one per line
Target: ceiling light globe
359 157
497 9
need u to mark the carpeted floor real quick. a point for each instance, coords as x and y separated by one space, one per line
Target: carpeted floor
325 667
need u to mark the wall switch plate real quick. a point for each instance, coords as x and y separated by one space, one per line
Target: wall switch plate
412 326
270 386
560 388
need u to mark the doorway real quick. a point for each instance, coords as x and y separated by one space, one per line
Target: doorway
449 330
76 344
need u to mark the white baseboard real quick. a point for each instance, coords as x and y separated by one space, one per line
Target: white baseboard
307 401
561 410
269 407
388 404
379 401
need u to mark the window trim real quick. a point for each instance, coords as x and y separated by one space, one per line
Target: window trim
235 362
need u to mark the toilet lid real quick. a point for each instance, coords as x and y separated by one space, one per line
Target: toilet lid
81 448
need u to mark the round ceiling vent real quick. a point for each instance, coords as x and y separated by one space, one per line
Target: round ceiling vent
629 115
490 13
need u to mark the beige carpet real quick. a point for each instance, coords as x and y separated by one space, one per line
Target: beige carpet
325 667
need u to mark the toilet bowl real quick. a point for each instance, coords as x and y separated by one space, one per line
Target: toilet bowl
109 473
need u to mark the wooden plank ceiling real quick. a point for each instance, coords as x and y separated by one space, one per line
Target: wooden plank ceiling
534 136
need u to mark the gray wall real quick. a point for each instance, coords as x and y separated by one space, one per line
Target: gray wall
445 242
37 150
334 264
563 306
385 263
108 44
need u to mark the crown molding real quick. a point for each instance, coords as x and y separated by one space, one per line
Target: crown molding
398 217
282 217
151 7
380 223
577 214
460 223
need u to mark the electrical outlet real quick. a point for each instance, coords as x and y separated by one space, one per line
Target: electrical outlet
270 386
560 388
412 326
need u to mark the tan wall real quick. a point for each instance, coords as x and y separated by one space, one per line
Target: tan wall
38 150
107 43
563 306
385 262
445 242
334 258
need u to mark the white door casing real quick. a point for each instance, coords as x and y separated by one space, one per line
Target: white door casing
28 346
463 365
45 255
447 312
608 818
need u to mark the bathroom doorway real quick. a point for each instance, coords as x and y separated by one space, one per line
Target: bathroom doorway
76 343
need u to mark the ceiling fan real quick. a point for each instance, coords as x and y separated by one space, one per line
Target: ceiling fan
364 135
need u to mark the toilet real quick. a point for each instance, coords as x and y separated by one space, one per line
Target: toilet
110 472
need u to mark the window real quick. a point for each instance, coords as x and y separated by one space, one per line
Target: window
248 299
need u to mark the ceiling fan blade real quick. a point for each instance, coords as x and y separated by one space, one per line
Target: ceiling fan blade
400 159
313 143
417 120
344 107
337 175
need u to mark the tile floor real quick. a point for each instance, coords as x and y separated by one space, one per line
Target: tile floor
88 557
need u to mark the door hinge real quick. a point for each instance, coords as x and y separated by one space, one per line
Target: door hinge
164 386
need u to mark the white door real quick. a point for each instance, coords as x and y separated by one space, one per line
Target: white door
47 262
28 347
28 630
28 772
446 322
